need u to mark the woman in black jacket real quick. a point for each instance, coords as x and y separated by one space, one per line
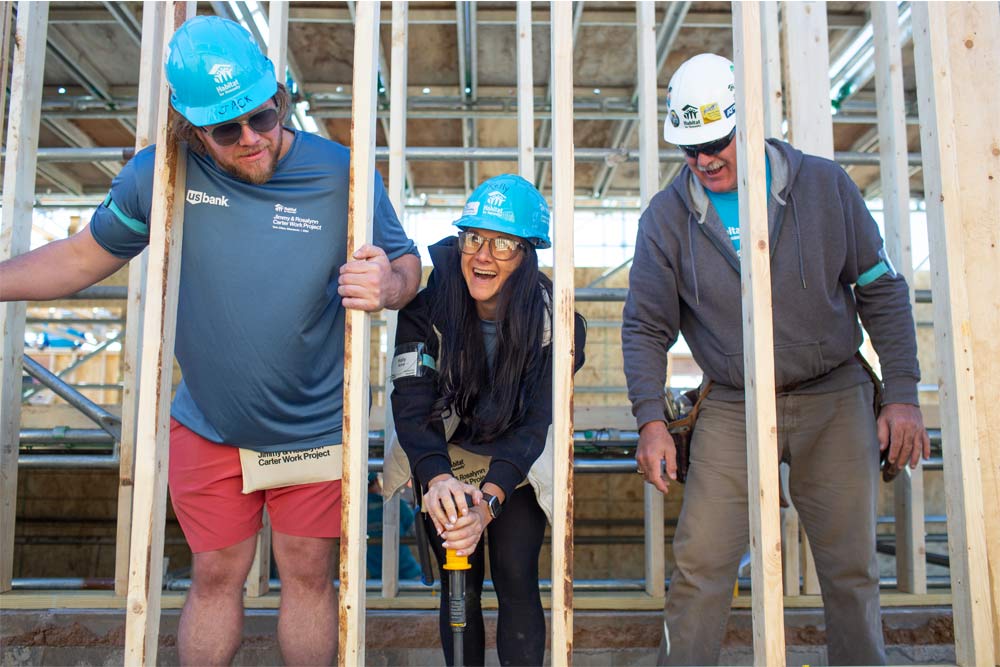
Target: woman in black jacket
472 405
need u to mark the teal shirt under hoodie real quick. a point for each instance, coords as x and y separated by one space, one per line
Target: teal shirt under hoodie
260 326
686 278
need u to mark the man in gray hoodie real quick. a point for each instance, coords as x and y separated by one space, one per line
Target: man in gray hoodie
828 267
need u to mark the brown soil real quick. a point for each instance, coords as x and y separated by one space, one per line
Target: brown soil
73 634
937 630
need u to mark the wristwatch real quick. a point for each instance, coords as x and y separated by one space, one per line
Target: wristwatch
493 504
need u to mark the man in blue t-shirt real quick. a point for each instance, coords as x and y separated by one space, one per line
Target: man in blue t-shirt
260 327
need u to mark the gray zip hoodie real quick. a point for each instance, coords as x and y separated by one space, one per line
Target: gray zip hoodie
686 278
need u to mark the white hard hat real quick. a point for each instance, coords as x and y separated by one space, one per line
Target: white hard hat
701 101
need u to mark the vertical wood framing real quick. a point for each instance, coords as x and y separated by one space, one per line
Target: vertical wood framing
758 346
807 86
975 31
649 179
810 123
807 565
258 578
277 29
948 50
911 565
142 621
15 239
791 571
150 71
6 16
396 188
791 546
357 343
771 61
525 94
563 327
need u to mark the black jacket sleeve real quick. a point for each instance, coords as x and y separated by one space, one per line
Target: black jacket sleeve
516 451
412 398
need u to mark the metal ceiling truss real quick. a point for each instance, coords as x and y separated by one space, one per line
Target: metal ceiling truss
545 128
665 36
468 80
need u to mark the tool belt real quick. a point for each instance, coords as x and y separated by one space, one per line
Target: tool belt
681 424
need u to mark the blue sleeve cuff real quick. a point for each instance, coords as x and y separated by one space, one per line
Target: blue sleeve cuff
872 274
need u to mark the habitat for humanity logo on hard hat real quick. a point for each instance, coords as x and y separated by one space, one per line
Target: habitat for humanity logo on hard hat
495 206
223 75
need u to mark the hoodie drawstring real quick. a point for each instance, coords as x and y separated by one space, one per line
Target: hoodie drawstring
694 266
798 239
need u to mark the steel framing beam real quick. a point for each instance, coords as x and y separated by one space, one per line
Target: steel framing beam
545 129
665 36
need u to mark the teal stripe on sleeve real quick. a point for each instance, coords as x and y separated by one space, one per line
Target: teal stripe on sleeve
872 274
429 362
131 223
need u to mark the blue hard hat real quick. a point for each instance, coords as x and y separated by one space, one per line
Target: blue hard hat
511 205
216 71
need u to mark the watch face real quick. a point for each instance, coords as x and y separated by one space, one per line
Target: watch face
494 504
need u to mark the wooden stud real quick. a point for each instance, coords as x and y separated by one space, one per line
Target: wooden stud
142 621
150 73
649 180
791 570
911 564
807 86
6 19
771 54
525 94
357 343
810 123
563 328
397 189
15 239
952 48
975 50
277 29
259 578
807 564
758 344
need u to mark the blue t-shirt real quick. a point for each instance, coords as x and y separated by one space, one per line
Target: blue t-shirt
727 205
260 326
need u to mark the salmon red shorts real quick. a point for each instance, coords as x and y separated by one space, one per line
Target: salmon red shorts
206 489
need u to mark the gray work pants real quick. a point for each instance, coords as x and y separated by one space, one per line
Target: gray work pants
831 445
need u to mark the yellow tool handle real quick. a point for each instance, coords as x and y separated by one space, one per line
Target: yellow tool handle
453 561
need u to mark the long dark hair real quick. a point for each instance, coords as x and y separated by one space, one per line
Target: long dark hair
491 403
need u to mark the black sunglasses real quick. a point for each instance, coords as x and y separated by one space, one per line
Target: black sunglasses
228 134
710 147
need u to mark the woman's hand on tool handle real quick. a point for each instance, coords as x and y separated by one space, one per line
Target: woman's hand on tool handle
446 503
468 530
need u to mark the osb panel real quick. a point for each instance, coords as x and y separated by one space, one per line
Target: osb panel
605 56
439 176
497 53
488 170
497 132
106 132
433 55
496 49
102 47
323 52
